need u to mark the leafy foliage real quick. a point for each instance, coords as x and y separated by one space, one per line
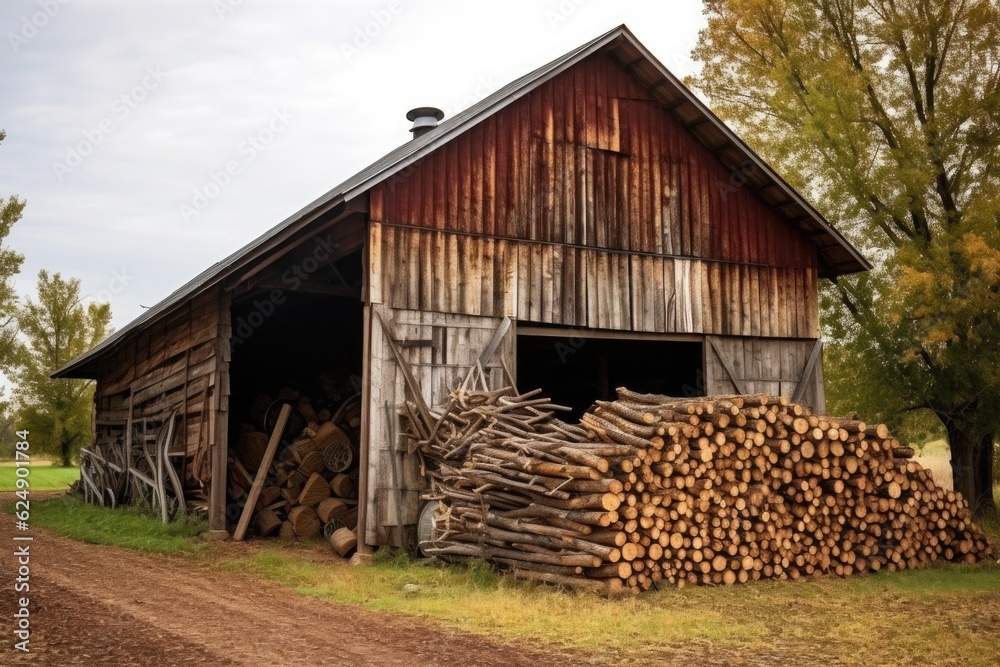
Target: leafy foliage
887 113
10 265
54 330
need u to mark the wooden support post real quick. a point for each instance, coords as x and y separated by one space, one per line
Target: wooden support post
365 445
265 465
220 426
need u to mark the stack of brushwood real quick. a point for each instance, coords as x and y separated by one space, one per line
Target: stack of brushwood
651 489
310 487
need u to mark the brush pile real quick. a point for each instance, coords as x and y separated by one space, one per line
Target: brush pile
650 489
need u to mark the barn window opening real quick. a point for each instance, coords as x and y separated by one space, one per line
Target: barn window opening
574 370
297 339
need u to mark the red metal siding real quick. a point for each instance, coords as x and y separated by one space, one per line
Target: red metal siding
590 159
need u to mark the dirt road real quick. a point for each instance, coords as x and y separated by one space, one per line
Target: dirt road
97 605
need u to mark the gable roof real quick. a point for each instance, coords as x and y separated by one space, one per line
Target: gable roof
837 256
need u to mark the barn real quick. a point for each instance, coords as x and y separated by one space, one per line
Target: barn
590 225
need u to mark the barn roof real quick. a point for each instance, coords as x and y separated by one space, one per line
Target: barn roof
837 256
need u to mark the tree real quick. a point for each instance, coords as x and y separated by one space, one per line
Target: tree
887 112
53 331
10 266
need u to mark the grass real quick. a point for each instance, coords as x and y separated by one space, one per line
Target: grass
128 527
933 616
43 477
939 615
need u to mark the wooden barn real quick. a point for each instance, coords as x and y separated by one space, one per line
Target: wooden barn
590 225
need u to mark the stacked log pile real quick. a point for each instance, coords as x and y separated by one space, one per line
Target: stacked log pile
310 488
651 489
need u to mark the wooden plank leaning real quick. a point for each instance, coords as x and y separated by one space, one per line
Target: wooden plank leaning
265 465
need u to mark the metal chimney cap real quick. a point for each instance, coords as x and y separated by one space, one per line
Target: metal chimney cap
420 112
424 119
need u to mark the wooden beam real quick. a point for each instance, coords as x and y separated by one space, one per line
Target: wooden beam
726 364
261 477
807 372
404 366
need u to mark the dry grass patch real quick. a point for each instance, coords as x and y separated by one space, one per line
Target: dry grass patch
942 615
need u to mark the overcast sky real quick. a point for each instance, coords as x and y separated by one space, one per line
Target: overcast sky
118 114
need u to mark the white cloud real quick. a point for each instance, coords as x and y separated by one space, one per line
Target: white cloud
224 79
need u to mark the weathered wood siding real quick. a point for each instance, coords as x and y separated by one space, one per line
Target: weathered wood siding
175 362
439 348
764 365
421 269
585 203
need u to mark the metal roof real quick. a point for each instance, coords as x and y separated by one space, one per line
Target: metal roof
837 255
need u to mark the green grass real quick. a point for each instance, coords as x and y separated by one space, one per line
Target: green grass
127 527
41 477
932 616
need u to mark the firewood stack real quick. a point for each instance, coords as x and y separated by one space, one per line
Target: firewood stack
650 489
311 485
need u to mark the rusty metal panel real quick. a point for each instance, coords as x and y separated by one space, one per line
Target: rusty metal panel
590 159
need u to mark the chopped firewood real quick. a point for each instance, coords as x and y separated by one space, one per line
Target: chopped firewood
315 490
342 486
344 540
709 490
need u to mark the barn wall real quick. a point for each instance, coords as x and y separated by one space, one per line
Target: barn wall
420 269
175 362
439 348
771 366
590 159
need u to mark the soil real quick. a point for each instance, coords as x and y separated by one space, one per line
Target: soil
101 605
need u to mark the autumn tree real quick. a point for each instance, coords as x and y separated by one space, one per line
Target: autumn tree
53 330
10 264
887 113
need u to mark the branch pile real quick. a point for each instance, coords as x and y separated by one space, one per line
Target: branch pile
651 489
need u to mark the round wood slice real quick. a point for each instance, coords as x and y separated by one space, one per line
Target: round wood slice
342 486
312 462
267 522
344 541
304 521
268 495
329 434
315 491
330 509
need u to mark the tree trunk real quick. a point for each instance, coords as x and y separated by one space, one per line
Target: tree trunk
983 470
971 464
66 452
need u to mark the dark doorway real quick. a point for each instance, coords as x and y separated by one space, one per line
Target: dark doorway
576 371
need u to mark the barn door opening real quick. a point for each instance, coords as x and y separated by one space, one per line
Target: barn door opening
298 338
575 370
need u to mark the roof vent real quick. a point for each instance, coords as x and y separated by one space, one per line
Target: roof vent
424 120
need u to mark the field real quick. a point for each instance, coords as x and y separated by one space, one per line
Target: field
935 457
43 476
941 615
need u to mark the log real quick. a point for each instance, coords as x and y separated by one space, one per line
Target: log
305 522
342 486
267 522
344 541
314 491
729 490
330 509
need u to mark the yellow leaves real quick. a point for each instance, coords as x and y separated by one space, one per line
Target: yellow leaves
982 258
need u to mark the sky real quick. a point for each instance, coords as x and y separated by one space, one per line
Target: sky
151 139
